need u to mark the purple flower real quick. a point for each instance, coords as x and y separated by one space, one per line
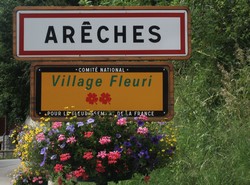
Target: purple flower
144 153
25 181
53 131
133 139
135 156
70 128
161 122
117 148
170 152
147 156
43 150
118 135
80 124
127 144
53 157
44 159
156 139
140 123
138 144
62 145
90 120
44 153
50 133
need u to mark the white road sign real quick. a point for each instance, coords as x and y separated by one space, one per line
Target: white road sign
123 33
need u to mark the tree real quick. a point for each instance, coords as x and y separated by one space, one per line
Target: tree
14 75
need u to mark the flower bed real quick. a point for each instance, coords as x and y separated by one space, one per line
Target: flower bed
100 149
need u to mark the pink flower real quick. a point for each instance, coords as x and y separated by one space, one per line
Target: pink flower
71 140
121 121
113 157
142 130
58 168
57 125
87 155
40 137
61 137
143 117
65 157
34 179
88 134
69 176
102 154
39 179
105 140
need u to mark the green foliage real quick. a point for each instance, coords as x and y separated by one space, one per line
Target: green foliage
6 8
212 97
123 2
48 2
14 90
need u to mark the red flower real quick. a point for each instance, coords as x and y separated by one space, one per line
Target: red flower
65 157
59 180
113 157
87 155
92 98
58 168
88 134
79 172
105 98
85 176
99 167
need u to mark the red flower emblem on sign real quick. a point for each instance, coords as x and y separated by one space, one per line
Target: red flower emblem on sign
92 98
105 98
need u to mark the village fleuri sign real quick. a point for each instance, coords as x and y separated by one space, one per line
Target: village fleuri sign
126 90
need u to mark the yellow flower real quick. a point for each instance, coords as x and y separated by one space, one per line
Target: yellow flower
37 131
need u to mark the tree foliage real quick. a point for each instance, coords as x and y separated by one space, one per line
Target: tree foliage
14 75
